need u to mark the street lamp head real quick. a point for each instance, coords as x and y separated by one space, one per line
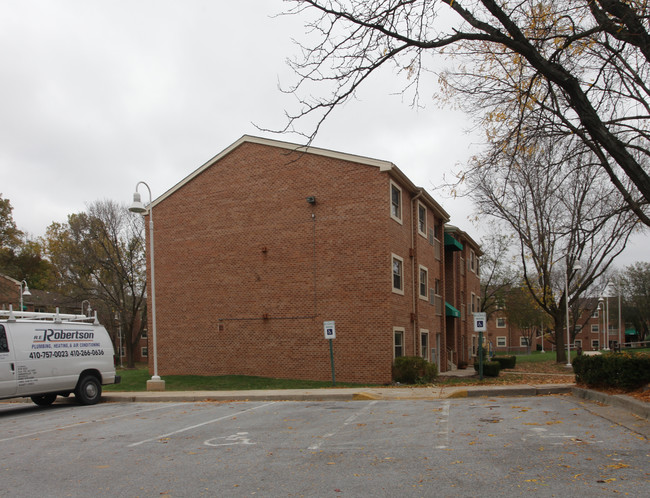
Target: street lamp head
577 267
137 206
26 291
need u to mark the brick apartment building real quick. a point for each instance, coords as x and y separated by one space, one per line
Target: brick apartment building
267 240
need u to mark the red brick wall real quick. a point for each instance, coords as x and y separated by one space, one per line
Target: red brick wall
9 294
245 276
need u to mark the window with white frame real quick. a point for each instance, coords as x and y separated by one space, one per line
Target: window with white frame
424 344
502 341
594 314
437 244
398 342
594 344
437 297
523 341
578 343
395 202
501 323
424 282
595 329
144 352
422 219
472 260
473 303
398 274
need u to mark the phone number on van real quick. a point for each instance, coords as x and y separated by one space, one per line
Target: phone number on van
37 355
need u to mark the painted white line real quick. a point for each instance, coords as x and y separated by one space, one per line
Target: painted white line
444 422
192 427
347 421
106 419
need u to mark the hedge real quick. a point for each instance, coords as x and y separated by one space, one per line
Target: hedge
413 370
506 361
490 368
620 370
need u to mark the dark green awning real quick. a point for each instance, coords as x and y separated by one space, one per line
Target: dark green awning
452 244
451 311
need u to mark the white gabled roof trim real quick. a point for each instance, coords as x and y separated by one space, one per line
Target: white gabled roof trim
377 163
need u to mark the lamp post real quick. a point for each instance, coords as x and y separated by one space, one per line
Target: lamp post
155 383
24 291
607 292
82 306
576 267
601 308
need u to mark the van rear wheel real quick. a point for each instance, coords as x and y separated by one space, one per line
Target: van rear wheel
44 399
89 390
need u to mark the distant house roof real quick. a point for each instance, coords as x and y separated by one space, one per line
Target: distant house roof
377 163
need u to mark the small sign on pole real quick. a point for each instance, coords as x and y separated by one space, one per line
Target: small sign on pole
330 329
480 322
330 333
480 326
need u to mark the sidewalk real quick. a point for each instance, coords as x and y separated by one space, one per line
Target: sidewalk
342 394
628 403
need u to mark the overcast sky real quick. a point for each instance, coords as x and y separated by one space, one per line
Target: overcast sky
98 95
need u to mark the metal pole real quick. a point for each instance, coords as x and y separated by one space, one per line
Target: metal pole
620 325
332 362
568 334
480 355
607 323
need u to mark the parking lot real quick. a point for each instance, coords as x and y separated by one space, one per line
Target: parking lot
545 445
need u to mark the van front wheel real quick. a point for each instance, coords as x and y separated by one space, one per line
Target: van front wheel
89 390
44 399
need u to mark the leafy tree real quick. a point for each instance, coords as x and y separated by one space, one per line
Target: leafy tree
561 213
635 280
499 270
524 313
20 257
99 255
10 237
574 70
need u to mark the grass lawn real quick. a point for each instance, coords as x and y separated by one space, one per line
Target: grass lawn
136 380
534 368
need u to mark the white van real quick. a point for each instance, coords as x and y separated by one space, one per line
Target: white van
44 355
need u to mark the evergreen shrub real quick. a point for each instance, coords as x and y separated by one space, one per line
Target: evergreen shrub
621 370
506 361
414 370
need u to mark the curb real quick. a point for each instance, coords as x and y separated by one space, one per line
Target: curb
628 403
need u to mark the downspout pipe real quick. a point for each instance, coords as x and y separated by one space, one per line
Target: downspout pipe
416 275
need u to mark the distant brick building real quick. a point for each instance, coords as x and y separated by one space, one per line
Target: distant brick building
267 240
589 332
462 295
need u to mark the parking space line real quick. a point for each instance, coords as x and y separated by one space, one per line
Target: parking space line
185 429
347 421
112 417
444 421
